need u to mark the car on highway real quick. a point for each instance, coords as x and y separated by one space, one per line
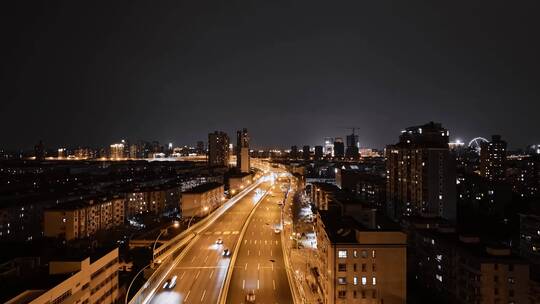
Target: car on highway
219 241
250 297
277 231
170 283
226 252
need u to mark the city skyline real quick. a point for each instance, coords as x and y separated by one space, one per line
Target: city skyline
320 142
302 152
318 71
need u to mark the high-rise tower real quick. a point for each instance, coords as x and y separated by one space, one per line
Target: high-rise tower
421 173
218 149
242 151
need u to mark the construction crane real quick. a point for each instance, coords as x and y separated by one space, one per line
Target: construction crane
352 128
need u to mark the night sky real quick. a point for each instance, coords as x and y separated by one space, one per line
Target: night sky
89 73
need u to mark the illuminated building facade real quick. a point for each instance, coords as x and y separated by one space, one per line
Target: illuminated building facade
152 200
90 282
80 219
359 265
328 147
493 159
116 151
201 200
421 176
242 151
218 149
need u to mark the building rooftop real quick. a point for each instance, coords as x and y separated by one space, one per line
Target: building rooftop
473 246
340 229
81 203
204 188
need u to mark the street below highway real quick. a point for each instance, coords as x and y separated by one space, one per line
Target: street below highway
259 265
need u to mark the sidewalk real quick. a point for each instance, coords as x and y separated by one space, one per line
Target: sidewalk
301 263
301 259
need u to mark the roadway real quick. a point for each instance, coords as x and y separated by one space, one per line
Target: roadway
259 266
202 270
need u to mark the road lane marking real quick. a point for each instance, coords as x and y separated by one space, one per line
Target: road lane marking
183 273
243 284
270 252
272 266
200 267
203 294
248 252
258 266
259 253
274 283
257 284
206 259
197 276
187 296
193 260
211 273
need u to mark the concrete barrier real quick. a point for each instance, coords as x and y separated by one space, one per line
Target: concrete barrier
183 241
223 292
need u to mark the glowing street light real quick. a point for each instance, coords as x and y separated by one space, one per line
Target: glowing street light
175 224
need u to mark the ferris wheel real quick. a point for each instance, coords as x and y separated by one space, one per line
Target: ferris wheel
476 143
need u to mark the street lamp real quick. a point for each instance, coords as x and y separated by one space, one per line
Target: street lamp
175 224
133 280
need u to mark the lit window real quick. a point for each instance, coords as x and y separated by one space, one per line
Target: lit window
374 281
373 253
364 280
342 280
355 280
342 254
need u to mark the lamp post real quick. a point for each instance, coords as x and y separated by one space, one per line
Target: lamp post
133 280
176 224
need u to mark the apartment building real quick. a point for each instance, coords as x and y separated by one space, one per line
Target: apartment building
88 281
153 199
356 264
421 177
462 269
240 181
201 200
84 218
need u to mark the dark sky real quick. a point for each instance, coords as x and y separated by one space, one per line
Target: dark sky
93 72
